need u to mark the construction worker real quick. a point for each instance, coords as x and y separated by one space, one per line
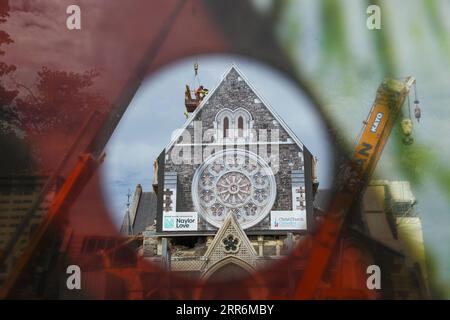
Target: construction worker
201 92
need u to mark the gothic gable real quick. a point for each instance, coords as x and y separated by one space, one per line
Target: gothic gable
230 240
237 100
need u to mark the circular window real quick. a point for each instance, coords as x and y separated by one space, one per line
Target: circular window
234 181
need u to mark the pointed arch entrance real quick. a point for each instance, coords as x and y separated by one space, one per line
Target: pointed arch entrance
231 278
229 268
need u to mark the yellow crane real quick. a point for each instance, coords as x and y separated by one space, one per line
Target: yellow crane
353 179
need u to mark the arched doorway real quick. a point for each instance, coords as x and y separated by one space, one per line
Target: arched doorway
230 271
231 278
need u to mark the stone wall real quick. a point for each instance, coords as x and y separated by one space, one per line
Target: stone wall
234 93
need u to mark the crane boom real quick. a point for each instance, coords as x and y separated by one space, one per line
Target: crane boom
353 179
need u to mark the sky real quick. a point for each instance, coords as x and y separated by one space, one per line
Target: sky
157 110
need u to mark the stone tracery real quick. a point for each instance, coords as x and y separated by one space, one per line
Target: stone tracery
235 181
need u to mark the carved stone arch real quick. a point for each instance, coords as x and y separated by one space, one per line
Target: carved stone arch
244 112
223 111
256 288
226 261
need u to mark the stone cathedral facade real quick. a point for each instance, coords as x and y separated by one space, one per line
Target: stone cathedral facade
234 183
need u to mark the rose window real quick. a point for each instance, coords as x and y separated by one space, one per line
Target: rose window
237 182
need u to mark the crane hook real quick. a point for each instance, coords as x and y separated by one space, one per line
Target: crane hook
196 68
417 111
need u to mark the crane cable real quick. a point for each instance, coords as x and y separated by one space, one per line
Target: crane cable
416 99
417 110
409 108
196 76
